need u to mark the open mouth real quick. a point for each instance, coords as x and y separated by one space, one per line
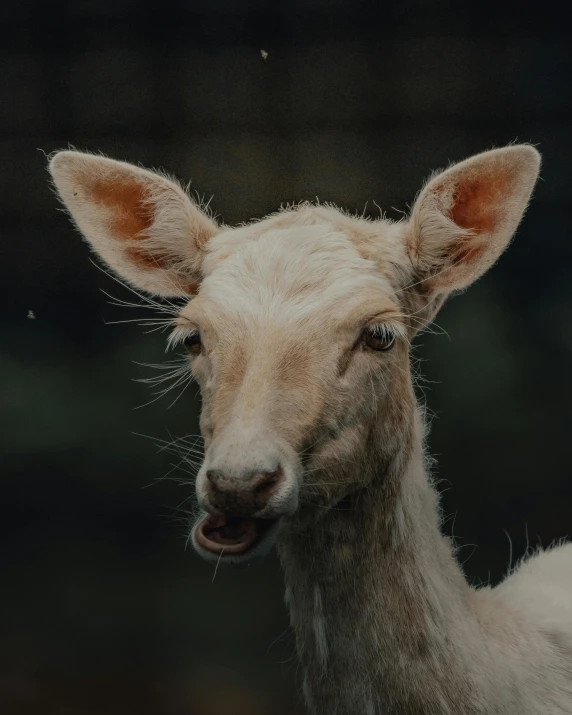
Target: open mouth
233 535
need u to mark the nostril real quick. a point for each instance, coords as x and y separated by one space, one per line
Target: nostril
264 483
252 481
213 475
242 495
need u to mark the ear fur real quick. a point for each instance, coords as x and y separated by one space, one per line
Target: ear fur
142 224
465 216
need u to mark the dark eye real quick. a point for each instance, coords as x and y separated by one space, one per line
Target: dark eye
193 343
378 337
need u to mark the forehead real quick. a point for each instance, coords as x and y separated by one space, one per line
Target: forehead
294 275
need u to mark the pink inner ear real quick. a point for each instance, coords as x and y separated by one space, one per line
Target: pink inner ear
477 205
126 202
131 215
476 200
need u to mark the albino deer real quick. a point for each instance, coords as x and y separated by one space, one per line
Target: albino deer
298 330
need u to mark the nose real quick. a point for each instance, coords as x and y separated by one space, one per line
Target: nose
243 495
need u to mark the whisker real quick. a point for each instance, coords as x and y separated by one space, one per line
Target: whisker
146 299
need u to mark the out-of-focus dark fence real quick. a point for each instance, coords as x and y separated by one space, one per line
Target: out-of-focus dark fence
102 610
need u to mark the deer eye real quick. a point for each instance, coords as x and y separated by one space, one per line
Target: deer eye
193 343
378 337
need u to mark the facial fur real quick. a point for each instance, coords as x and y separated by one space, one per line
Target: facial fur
300 323
281 320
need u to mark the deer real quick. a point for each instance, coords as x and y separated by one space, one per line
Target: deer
298 329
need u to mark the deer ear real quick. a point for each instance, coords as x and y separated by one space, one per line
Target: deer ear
143 225
465 216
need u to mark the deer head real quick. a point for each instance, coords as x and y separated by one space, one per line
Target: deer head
298 326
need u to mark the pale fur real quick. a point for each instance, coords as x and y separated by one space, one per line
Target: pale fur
384 619
178 232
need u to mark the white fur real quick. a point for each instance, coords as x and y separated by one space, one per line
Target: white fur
385 621
269 276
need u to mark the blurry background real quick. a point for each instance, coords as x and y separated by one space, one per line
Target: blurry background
102 610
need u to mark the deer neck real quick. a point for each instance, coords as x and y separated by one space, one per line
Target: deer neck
379 606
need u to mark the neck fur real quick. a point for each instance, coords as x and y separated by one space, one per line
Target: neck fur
378 603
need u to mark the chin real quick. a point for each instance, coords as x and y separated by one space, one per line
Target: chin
232 540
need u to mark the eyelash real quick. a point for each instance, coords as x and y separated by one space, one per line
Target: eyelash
180 336
379 337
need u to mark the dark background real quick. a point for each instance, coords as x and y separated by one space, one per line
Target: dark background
102 610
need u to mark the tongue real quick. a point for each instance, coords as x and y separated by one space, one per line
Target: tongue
226 534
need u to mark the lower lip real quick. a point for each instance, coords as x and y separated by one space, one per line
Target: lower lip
231 535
